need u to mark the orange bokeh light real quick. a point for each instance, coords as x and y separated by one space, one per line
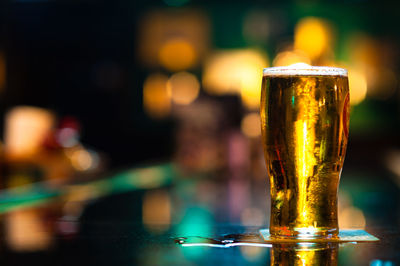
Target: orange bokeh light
177 54
156 101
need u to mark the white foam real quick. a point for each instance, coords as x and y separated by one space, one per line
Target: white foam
302 69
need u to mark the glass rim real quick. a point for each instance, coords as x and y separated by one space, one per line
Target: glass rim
304 70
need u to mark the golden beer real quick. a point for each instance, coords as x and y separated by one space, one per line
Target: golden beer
305 121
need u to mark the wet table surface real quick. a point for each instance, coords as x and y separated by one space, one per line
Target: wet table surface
127 244
121 221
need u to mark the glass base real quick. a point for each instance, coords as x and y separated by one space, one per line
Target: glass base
305 233
345 235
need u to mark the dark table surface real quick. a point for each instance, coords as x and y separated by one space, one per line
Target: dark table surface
137 223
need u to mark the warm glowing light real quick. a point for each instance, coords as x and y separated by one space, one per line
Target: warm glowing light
287 58
25 230
376 62
357 86
81 160
236 72
156 211
177 54
251 125
312 36
168 34
351 217
156 101
26 129
250 86
183 88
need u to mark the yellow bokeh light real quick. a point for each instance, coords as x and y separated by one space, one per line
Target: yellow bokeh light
312 36
376 62
251 125
236 72
160 28
156 101
156 211
351 217
177 54
357 86
288 58
183 88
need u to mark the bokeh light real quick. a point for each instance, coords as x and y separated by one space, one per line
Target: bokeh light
377 62
357 86
177 54
287 58
26 129
200 171
26 230
67 137
236 72
156 101
183 88
313 36
251 125
82 159
351 217
156 211
173 38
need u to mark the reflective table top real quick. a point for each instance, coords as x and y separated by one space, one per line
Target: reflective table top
139 217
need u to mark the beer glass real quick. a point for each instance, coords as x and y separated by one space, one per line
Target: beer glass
305 122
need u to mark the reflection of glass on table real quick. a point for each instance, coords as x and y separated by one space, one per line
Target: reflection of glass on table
305 254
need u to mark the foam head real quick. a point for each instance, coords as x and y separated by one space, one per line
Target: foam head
301 69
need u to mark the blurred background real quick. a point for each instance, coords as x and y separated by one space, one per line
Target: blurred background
141 117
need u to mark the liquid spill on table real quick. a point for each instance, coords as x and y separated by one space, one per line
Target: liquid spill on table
225 241
279 254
